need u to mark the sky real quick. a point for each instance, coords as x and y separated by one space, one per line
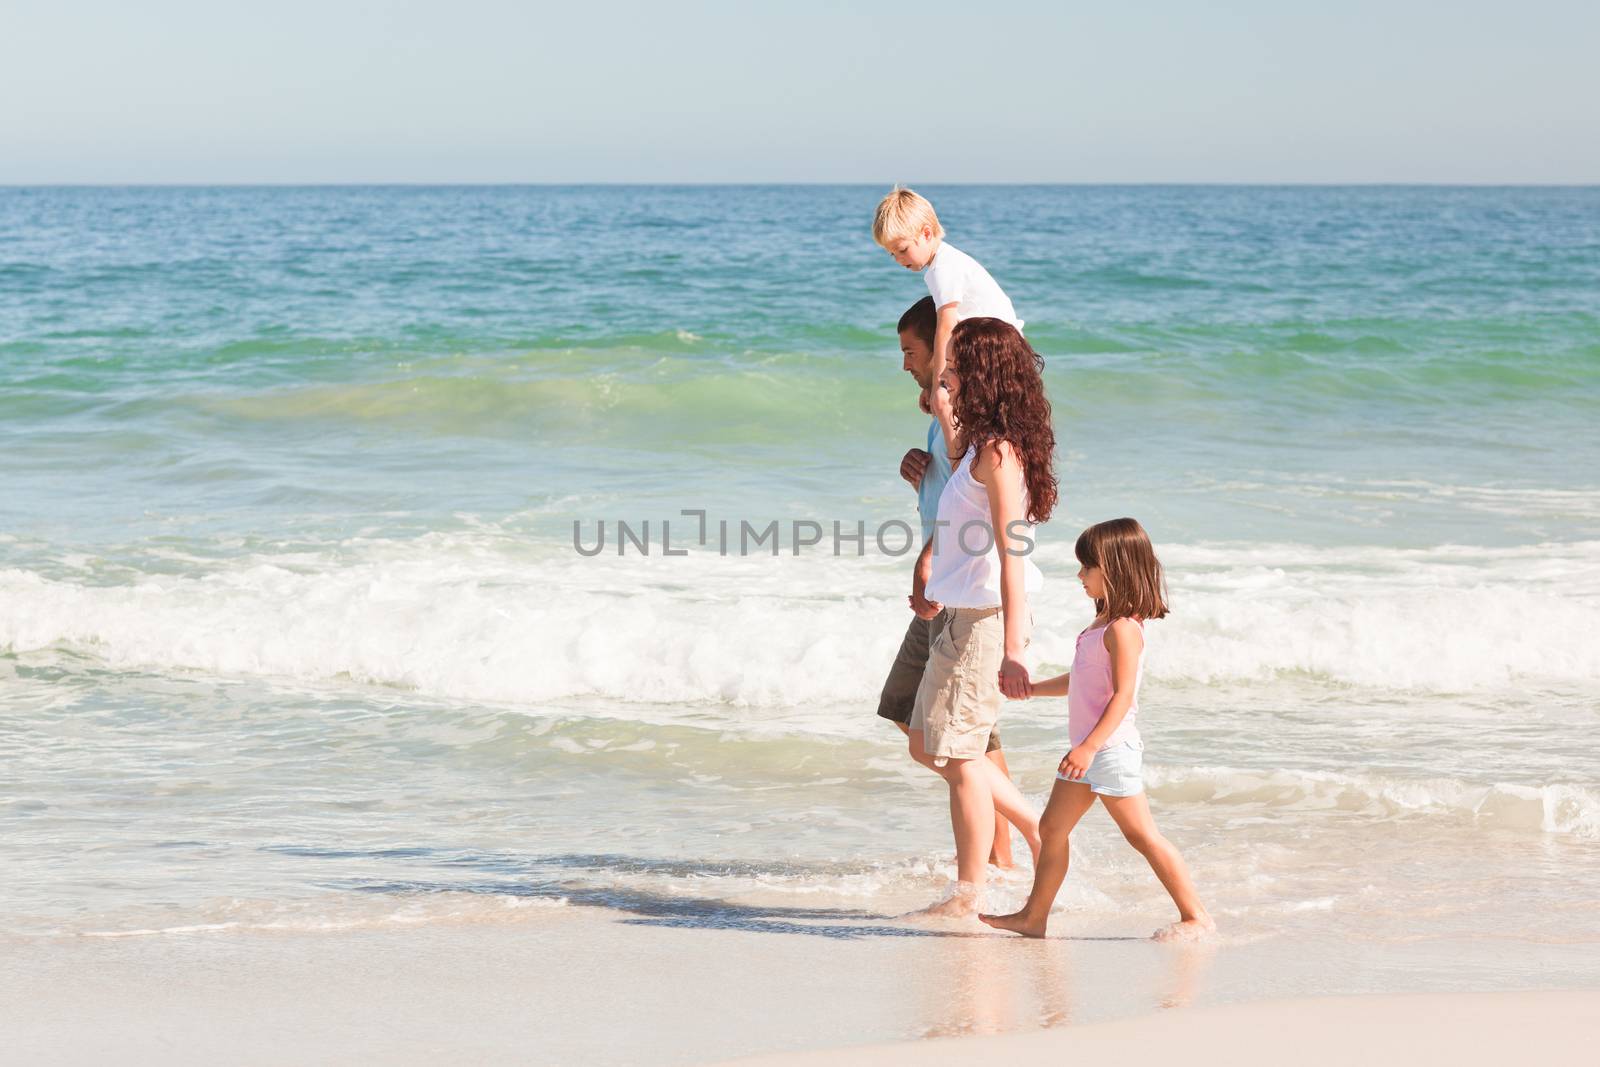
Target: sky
181 91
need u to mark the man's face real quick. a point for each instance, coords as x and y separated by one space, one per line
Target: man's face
913 253
916 358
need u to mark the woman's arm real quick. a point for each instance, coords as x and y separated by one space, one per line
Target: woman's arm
1000 472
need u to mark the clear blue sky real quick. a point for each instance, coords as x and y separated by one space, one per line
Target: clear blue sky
985 90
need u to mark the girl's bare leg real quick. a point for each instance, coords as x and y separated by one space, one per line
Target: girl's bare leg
1133 818
1068 803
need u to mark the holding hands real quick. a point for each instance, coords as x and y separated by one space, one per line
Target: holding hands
1014 680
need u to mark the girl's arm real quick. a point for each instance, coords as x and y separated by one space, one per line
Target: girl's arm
1051 687
1000 472
1124 640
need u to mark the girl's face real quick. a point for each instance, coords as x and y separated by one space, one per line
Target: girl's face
1094 582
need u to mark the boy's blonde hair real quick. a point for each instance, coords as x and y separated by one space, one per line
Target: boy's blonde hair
902 215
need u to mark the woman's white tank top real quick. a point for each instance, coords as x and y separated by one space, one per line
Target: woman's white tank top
966 561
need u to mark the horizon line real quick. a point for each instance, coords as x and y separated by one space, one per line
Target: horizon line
795 184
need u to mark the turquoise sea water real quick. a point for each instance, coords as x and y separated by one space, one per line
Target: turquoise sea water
293 634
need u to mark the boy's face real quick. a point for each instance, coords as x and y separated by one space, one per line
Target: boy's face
914 252
916 357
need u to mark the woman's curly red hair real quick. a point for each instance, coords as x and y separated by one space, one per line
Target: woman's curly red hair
1001 398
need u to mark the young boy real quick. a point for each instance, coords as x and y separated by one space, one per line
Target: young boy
927 471
907 228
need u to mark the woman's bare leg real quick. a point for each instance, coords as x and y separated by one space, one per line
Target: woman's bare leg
972 816
1010 805
971 804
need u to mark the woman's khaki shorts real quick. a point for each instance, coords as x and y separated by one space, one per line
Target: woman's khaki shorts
899 696
958 702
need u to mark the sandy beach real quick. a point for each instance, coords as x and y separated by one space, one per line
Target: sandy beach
1469 1028
697 982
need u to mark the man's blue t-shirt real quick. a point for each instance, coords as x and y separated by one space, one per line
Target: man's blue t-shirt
933 481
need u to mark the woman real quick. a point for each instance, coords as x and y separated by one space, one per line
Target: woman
991 405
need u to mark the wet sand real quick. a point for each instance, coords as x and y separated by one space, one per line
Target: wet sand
689 984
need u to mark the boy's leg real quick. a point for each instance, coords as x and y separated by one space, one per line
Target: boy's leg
1133 818
1068 802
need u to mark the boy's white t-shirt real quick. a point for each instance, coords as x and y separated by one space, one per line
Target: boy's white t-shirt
956 278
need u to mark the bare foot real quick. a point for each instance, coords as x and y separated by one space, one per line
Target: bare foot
1006 864
962 903
1018 922
1194 929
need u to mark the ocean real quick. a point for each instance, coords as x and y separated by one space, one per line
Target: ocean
296 634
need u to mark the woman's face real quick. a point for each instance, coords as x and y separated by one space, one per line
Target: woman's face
950 379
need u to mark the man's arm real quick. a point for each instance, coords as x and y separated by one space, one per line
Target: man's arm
914 465
920 604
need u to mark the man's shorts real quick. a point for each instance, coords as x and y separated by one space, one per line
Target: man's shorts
958 699
1115 771
899 695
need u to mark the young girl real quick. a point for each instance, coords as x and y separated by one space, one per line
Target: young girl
1121 574
996 420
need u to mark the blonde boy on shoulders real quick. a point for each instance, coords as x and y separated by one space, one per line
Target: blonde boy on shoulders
907 227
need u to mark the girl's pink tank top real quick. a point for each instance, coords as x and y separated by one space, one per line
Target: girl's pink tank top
1089 692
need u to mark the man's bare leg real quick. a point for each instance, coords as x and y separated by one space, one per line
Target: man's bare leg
1001 855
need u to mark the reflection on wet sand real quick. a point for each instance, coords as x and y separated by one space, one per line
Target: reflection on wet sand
1005 985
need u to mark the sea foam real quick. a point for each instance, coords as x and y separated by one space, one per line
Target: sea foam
479 616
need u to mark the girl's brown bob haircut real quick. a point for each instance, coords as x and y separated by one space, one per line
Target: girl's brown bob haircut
1136 588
